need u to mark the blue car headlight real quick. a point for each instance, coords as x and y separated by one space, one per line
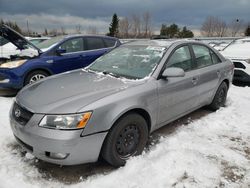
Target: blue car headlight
12 64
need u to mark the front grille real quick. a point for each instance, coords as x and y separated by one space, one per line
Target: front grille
21 115
28 147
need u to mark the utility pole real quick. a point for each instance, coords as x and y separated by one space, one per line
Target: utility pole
28 28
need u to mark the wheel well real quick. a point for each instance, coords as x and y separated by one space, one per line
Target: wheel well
29 72
227 82
143 113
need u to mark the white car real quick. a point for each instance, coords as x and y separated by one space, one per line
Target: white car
7 49
239 52
37 40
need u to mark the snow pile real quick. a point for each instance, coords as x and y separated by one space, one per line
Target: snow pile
213 151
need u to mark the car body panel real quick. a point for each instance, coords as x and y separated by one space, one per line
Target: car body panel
161 100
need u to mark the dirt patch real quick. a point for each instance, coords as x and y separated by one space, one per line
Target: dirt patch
232 173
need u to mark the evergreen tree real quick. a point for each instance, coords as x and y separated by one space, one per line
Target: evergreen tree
185 33
12 25
170 31
114 26
247 31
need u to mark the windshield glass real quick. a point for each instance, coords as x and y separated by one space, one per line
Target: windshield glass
50 42
132 62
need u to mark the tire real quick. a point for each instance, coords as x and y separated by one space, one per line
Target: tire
220 97
127 138
35 76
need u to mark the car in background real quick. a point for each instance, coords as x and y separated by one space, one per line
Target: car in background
109 108
239 53
59 54
37 40
8 49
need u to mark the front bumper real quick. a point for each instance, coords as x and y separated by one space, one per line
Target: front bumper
41 141
9 79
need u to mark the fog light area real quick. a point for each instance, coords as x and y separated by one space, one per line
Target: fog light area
56 155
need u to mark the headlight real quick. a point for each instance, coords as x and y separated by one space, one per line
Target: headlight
12 64
74 121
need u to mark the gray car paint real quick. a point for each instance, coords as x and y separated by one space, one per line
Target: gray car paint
164 100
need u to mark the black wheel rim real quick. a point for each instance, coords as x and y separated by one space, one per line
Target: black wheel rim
221 97
127 141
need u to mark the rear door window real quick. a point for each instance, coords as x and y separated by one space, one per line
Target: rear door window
110 42
94 43
202 56
215 58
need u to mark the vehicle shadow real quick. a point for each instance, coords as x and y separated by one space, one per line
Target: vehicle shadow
78 173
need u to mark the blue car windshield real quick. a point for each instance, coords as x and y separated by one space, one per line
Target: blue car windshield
50 42
132 62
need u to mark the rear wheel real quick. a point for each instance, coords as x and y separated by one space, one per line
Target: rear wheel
126 138
220 97
35 76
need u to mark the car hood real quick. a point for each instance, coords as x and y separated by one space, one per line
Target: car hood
237 51
69 92
15 38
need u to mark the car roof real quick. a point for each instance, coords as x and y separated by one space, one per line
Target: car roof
161 43
79 35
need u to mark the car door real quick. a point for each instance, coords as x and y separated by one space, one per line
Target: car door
95 48
178 95
72 56
210 68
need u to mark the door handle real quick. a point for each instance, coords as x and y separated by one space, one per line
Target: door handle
195 80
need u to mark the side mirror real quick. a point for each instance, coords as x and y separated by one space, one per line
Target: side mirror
60 51
173 72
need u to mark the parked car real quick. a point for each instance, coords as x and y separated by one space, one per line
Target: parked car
239 52
8 49
109 108
60 54
37 40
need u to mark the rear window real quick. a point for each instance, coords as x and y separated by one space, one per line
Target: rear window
110 42
94 43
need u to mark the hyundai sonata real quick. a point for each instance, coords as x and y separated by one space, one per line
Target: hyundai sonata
109 108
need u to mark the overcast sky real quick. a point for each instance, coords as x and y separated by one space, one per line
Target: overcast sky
97 13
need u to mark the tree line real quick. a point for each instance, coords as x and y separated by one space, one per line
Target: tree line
141 26
217 27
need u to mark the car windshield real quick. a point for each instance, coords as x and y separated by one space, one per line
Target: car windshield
50 42
132 62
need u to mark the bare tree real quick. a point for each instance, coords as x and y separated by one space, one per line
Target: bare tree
78 29
235 27
124 27
213 27
147 24
92 30
220 28
63 32
136 25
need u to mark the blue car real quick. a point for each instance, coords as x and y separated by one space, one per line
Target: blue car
53 56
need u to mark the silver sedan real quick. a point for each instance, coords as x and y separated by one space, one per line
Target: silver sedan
109 108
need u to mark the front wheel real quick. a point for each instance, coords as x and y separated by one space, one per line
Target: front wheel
35 76
220 97
126 138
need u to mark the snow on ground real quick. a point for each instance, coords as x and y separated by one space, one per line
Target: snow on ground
213 151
